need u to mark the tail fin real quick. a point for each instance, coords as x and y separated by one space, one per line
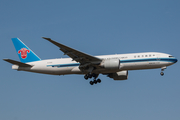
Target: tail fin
25 54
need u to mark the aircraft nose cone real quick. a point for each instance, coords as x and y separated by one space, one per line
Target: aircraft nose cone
175 60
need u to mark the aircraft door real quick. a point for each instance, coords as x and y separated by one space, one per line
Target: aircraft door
158 57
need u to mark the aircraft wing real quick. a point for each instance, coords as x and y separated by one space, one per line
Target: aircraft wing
76 55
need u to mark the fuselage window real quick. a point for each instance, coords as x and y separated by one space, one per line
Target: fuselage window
134 56
146 55
171 56
149 55
138 56
142 55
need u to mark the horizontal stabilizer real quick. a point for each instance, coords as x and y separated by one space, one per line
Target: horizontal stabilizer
17 63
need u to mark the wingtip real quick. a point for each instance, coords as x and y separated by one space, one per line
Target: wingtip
5 59
46 38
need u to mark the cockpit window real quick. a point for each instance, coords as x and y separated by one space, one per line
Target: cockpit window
171 56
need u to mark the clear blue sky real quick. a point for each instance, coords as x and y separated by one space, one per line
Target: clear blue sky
96 27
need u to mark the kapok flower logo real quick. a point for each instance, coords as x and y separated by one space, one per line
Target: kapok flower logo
23 52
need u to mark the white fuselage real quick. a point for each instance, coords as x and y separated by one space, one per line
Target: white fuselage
134 61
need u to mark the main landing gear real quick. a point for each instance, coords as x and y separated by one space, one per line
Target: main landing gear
162 69
95 81
94 76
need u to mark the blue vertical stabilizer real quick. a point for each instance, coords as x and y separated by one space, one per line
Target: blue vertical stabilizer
25 54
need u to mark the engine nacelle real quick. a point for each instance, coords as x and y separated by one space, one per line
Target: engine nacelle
111 64
122 75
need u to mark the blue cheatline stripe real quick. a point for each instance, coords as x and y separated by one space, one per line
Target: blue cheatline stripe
173 60
65 65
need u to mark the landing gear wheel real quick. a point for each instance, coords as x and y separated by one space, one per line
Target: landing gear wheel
98 80
89 75
86 77
95 81
91 82
162 73
94 75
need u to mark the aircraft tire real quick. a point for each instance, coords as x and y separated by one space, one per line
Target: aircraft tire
86 77
91 82
162 73
99 80
95 81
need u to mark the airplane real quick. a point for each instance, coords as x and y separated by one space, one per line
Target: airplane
114 66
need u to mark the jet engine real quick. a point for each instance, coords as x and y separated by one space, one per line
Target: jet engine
111 64
122 75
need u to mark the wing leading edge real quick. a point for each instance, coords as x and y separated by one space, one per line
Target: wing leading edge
76 55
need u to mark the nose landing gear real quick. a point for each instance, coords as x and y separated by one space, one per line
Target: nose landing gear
162 69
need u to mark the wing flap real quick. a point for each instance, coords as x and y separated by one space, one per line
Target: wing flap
76 55
17 63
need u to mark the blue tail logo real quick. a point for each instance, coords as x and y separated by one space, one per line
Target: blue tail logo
25 54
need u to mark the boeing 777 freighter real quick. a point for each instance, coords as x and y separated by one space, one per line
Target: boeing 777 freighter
114 66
